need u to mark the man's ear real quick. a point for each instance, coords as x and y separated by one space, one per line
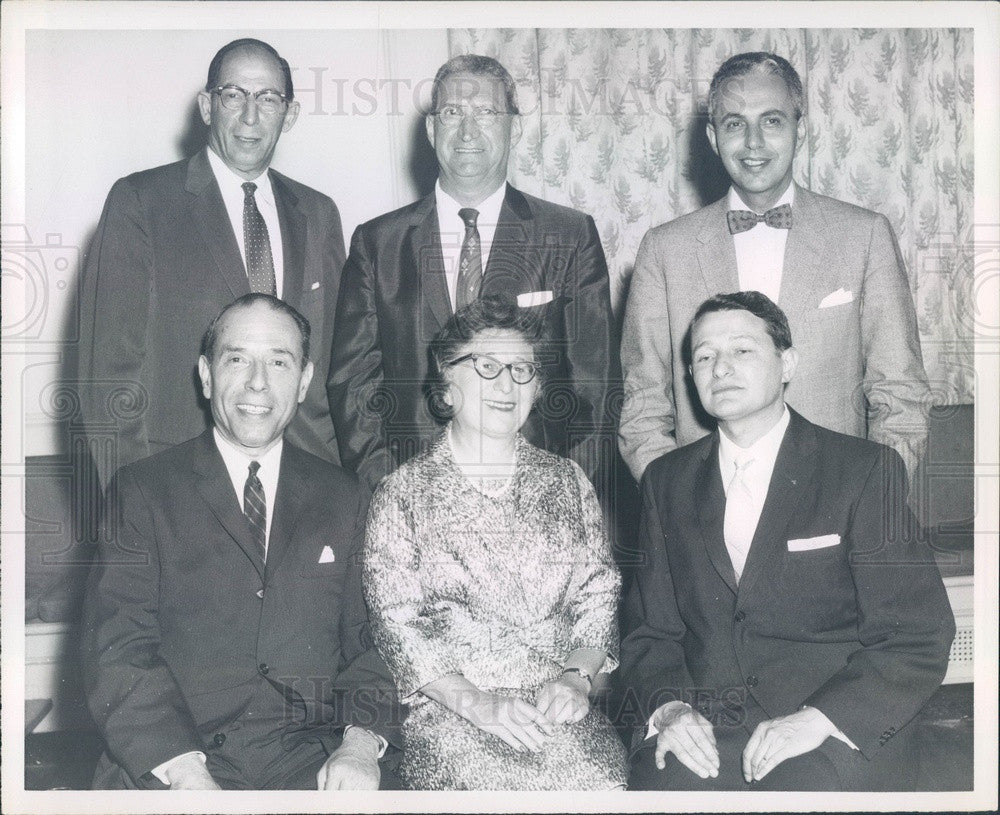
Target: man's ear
305 379
205 375
290 116
516 128
429 127
205 106
800 132
710 133
789 362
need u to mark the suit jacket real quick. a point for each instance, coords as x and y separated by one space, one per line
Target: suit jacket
860 370
163 262
184 626
394 299
860 629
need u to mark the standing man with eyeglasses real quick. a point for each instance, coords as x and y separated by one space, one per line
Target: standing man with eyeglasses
177 243
834 268
408 271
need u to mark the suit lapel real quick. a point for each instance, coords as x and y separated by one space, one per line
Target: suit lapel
216 488
508 268
288 503
212 223
716 251
793 473
422 263
293 240
803 251
710 498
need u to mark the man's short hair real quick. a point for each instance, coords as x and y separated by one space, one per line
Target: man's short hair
247 300
215 66
759 305
476 65
743 64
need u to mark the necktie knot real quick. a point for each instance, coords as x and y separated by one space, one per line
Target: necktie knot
469 217
249 188
741 220
254 467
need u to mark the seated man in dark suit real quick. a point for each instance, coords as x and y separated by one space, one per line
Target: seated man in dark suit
788 623
225 637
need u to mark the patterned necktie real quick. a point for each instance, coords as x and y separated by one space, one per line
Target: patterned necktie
260 263
255 508
740 522
470 266
740 220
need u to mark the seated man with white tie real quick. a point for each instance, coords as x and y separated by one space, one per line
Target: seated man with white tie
225 639
789 622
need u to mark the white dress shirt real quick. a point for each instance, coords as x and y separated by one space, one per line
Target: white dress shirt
238 466
760 251
453 231
231 187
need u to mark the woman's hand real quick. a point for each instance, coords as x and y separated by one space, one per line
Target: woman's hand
517 723
564 700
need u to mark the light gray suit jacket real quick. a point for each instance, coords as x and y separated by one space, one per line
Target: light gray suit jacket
860 370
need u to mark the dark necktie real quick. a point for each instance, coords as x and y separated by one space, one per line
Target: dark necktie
470 265
255 508
260 263
740 220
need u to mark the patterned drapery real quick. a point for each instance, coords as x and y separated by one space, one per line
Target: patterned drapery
614 125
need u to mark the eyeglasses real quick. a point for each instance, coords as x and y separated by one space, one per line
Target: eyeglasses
233 97
452 115
489 368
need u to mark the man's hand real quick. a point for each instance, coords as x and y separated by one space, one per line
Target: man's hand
564 700
517 723
688 735
353 765
784 737
188 772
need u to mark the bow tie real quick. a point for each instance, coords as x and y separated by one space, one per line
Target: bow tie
740 220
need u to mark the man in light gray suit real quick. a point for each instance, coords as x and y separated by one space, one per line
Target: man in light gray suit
834 268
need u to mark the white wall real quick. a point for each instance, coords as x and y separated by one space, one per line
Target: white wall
102 104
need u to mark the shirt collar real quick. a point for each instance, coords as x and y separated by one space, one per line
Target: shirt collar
237 462
764 451
737 203
227 179
489 209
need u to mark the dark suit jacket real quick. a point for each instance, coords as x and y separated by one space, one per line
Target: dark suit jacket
394 299
860 630
180 615
162 264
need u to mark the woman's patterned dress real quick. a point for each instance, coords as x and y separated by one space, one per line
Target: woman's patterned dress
500 589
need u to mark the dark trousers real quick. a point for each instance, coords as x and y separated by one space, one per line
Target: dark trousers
831 766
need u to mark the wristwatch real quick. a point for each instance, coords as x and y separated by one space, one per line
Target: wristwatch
582 674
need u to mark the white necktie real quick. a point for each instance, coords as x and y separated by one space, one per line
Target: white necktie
741 520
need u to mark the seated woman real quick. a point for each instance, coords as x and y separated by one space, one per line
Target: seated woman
491 585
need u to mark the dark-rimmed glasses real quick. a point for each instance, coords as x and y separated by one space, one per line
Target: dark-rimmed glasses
490 368
233 97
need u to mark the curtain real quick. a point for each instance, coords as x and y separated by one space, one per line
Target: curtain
614 125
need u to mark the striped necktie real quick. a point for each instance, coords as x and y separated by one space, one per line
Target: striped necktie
255 508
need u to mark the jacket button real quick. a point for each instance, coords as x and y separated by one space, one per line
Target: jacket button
262 669
260 593
752 681
740 616
219 739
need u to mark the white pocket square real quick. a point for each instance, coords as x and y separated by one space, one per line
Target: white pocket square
837 298
326 556
534 298
314 286
808 544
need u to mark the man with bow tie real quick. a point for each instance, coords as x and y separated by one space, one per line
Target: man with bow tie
225 639
834 268
788 622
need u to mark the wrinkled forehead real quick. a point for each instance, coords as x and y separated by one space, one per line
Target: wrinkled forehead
251 66
476 90
259 326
